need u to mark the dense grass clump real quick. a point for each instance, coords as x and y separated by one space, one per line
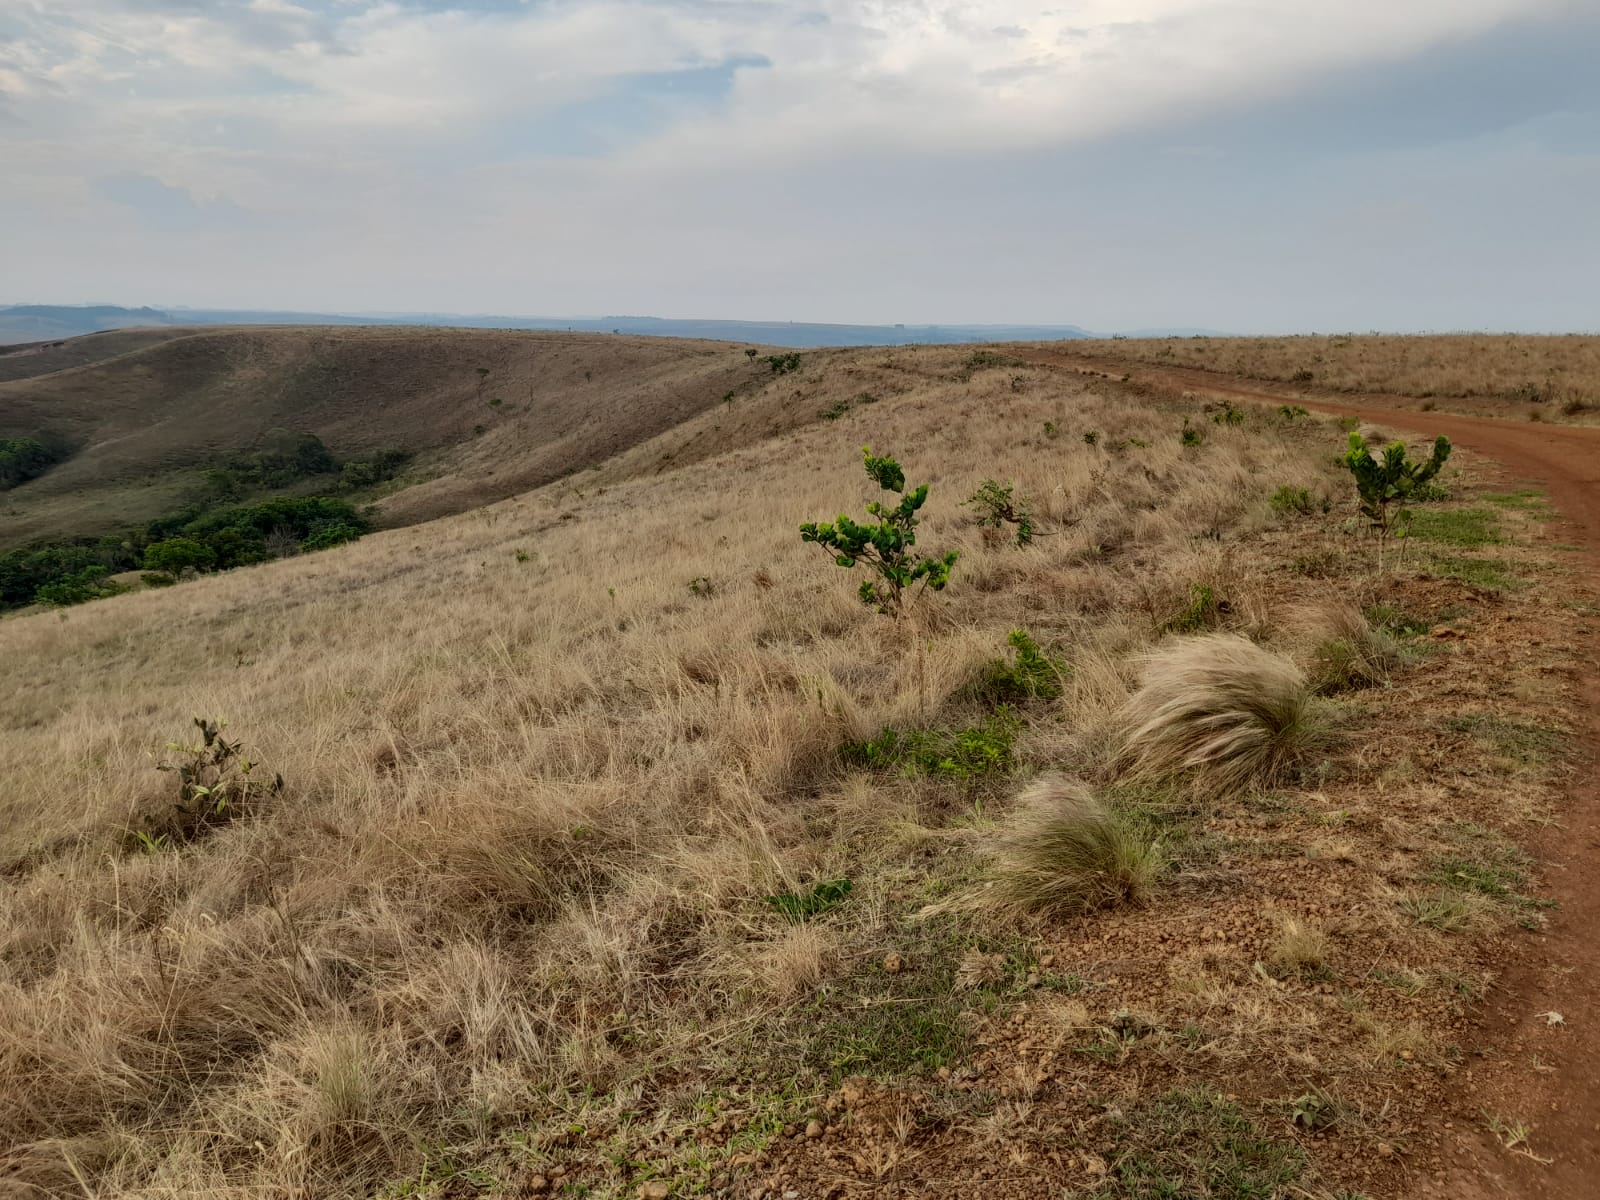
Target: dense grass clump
1352 653
1066 851
1231 713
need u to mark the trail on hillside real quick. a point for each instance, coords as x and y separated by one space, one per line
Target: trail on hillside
1540 1029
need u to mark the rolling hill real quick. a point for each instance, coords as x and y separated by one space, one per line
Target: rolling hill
621 851
486 413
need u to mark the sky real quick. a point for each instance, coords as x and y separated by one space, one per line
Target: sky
1242 165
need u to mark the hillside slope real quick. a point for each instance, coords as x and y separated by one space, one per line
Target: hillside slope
517 409
597 867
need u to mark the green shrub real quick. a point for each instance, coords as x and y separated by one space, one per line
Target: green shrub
887 546
381 466
157 579
217 783
333 533
997 504
22 459
1290 499
1290 412
78 588
1190 437
782 364
1091 437
958 754
177 555
1202 611
1032 674
979 359
1383 485
1228 414
802 906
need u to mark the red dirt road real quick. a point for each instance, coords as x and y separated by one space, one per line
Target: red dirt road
1559 1098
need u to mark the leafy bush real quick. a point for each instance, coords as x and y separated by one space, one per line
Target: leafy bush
333 533
177 555
1290 412
997 504
782 364
1066 851
1291 499
887 546
1032 674
157 579
24 572
22 459
1190 437
960 754
1228 414
77 588
1221 709
802 906
1202 611
979 359
217 783
284 458
379 467
1383 485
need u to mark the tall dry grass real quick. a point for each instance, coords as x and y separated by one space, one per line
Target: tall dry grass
530 804
1558 370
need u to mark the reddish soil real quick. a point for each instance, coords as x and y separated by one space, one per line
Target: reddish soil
1540 1031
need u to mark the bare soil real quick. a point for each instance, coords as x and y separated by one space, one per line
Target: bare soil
1540 1032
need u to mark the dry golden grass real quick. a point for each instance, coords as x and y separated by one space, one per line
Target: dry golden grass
1554 371
1221 708
517 878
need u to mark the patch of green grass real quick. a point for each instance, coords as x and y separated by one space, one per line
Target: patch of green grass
1454 526
802 906
1200 613
1195 1144
1498 881
1523 498
956 754
1479 572
1033 674
990 358
1291 499
1519 742
886 1024
1448 910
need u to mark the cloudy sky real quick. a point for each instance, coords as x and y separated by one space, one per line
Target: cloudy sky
1246 165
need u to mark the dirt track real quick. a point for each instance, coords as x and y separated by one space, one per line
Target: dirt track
1562 1101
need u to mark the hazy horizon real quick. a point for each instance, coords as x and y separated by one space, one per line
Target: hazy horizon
1127 164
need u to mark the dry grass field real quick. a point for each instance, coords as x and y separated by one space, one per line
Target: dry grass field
1500 374
594 873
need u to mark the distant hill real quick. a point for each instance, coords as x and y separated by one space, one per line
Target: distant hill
485 414
37 323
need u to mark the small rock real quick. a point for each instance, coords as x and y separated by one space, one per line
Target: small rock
893 964
656 1189
538 1184
813 1129
1385 1150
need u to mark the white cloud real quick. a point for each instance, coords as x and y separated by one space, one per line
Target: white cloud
403 138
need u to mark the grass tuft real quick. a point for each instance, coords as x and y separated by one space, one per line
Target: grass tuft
1352 653
1066 851
1220 708
1196 1143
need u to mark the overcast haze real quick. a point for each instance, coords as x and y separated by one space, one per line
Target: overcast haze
1260 165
